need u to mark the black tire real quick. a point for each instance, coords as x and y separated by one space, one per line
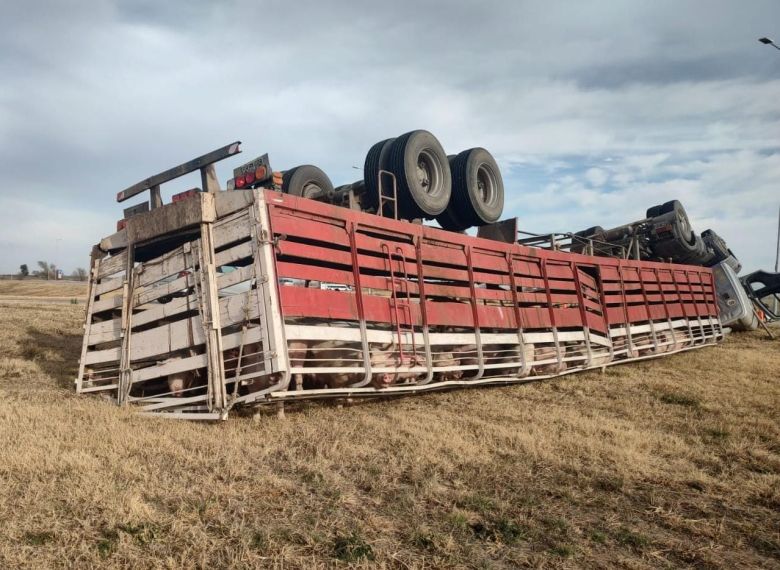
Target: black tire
449 218
700 255
671 236
595 232
592 232
422 173
668 207
376 160
664 208
307 181
671 206
477 187
684 224
720 250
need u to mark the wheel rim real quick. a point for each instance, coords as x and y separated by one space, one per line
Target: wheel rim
310 189
684 225
429 173
487 185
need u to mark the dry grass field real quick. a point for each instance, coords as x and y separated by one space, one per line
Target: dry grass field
668 463
14 290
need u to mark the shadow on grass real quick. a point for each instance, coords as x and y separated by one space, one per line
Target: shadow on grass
57 353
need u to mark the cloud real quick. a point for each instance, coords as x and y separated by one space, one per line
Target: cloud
594 112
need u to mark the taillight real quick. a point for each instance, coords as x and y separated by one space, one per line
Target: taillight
249 177
260 173
240 181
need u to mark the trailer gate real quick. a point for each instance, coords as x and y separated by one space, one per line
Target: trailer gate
252 296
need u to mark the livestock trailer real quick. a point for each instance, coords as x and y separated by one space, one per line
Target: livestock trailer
247 297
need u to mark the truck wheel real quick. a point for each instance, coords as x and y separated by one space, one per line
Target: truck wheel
596 232
477 187
376 160
682 223
700 255
671 235
720 250
422 174
307 181
676 207
449 218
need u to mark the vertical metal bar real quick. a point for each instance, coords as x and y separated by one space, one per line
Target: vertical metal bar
423 311
695 306
394 300
583 312
666 307
629 337
402 263
713 302
706 304
383 198
475 313
352 229
125 372
647 308
210 317
777 261
551 311
682 305
93 277
605 311
524 367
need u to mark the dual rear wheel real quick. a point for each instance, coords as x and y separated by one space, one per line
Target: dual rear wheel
413 177
459 191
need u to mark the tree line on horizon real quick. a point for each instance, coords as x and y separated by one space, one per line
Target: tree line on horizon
47 270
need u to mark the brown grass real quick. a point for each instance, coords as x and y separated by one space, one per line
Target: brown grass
23 289
668 463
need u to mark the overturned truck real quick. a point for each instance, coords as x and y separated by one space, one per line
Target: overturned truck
254 296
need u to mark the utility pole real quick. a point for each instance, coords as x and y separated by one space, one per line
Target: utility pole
769 42
777 259
777 252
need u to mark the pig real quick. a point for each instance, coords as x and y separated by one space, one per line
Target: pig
332 353
547 353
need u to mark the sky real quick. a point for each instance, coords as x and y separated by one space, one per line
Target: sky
594 110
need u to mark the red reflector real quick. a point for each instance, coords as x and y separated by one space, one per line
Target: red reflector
240 182
183 195
120 225
260 172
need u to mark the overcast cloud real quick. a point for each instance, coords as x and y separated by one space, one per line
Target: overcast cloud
594 110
